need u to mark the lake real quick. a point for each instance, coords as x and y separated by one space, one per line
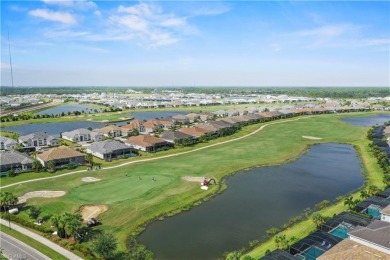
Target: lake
68 108
53 129
255 201
156 114
367 120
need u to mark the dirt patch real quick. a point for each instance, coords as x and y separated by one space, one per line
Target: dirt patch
40 194
311 137
89 179
195 179
92 211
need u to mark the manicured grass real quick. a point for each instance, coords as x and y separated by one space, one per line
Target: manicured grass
133 202
33 243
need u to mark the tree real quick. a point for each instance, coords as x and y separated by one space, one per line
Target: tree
281 241
348 201
51 166
105 245
364 194
373 190
235 255
318 219
140 252
36 165
89 158
34 212
7 199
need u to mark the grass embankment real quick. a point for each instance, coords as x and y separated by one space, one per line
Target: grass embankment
33 243
373 175
133 202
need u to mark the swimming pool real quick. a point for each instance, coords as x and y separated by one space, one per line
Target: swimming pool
374 212
341 231
311 254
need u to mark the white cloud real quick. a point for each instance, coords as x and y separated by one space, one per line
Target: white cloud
62 17
97 13
74 4
150 24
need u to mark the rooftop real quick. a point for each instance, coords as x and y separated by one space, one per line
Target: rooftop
59 153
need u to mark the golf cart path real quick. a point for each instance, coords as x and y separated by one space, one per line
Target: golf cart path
162 157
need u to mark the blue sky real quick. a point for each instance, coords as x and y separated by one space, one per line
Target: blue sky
182 43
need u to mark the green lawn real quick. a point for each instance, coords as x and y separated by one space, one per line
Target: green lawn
133 202
33 243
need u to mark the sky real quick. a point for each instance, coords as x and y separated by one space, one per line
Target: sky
184 43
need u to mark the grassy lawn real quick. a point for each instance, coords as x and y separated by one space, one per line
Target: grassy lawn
133 202
33 243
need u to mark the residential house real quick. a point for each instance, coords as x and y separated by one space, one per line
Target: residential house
176 137
150 126
82 135
376 235
220 113
206 116
108 149
13 160
38 139
194 131
165 123
385 214
7 143
349 249
61 155
193 117
181 119
134 125
110 131
147 143
372 206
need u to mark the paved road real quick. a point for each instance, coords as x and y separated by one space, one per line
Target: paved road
15 249
42 240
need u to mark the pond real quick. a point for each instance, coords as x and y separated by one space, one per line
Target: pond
69 108
156 114
367 120
255 201
53 129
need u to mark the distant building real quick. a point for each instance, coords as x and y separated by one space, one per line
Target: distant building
110 131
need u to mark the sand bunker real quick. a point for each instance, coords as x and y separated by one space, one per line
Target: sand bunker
92 211
89 179
311 137
195 179
40 194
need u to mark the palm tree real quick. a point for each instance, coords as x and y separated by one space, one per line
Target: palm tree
89 158
364 194
51 165
55 221
7 199
36 165
348 201
373 190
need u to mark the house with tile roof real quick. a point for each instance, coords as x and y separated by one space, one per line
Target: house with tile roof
182 119
61 155
82 135
38 140
147 143
110 131
13 160
134 125
194 131
193 117
176 137
7 143
109 149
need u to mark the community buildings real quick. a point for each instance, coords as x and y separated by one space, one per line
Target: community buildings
38 140
7 143
109 149
82 135
61 155
13 160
